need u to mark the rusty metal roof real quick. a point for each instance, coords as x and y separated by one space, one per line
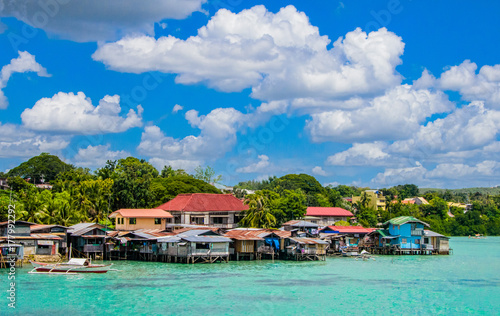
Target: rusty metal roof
300 224
186 229
255 233
308 241
40 227
36 236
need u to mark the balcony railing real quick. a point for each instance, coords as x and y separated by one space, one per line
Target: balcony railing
417 232
92 248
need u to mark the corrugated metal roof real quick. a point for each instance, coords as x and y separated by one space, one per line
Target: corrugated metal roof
82 228
430 233
299 223
328 211
383 232
37 236
185 229
204 202
309 241
255 233
17 222
41 227
403 220
85 230
209 239
168 239
141 213
196 232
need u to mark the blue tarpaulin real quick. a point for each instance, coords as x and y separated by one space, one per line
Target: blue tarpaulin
273 242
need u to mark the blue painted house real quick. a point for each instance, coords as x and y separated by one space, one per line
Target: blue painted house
404 232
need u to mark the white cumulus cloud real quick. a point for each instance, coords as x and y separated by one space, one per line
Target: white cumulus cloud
257 167
217 136
319 171
395 115
483 86
24 63
97 156
75 114
367 154
279 55
177 108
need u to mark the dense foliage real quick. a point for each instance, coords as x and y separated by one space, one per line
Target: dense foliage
39 169
483 217
79 195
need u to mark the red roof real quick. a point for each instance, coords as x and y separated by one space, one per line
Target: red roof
351 229
204 202
328 211
141 213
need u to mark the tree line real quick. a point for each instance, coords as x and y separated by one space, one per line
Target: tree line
80 195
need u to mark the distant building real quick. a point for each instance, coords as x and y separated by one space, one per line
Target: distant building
87 239
376 199
45 186
257 243
325 216
36 243
415 200
3 184
302 226
216 210
406 235
56 230
133 219
464 206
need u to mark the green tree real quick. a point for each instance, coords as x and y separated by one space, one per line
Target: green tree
42 168
163 190
168 171
132 178
259 214
207 174
17 184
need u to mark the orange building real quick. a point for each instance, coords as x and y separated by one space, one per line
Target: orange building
133 219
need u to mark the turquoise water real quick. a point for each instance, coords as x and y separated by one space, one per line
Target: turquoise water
467 282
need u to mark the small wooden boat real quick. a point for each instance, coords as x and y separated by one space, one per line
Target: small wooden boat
73 266
478 236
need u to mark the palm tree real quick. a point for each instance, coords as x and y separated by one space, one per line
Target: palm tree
258 214
365 200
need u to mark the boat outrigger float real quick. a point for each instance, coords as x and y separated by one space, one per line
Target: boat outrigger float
73 266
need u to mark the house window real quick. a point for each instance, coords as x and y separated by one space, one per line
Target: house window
219 220
426 240
157 221
417 241
132 221
202 246
403 240
198 220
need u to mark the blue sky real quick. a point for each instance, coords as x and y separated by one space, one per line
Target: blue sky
370 93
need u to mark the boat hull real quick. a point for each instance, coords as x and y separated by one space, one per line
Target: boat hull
65 268
69 270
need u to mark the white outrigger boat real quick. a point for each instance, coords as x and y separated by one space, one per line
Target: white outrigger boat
73 266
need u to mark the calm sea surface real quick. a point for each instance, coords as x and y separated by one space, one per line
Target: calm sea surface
467 282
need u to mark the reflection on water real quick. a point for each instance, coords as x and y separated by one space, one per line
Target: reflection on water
464 283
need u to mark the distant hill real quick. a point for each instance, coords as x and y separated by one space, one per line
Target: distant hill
490 191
